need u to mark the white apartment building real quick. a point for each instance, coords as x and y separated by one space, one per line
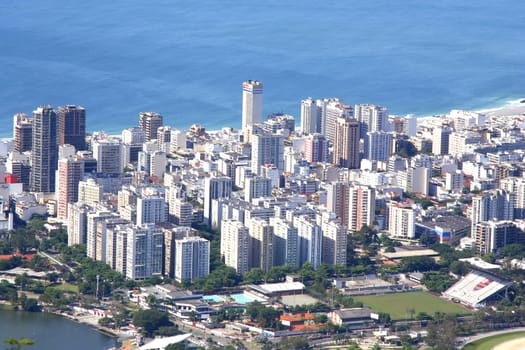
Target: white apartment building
285 244
108 154
144 249
261 244
401 221
252 103
335 238
310 240
235 245
151 209
192 258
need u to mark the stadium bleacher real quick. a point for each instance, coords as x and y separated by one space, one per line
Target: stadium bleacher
476 287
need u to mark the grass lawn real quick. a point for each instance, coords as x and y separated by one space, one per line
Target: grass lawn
490 342
66 287
399 304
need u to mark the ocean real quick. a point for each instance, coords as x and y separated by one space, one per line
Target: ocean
188 59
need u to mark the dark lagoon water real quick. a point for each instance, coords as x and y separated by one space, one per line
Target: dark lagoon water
51 332
187 59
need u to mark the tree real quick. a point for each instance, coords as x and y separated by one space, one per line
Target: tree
29 304
294 343
150 320
405 149
254 276
18 344
442 336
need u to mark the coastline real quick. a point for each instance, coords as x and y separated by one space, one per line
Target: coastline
508 108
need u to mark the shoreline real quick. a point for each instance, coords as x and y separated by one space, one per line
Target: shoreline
508 108
95 326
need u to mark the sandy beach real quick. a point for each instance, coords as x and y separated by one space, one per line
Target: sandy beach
515 344
505 111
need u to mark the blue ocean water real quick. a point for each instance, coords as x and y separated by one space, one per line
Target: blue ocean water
187 59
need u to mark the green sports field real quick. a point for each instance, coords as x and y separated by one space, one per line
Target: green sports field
400 305
490 342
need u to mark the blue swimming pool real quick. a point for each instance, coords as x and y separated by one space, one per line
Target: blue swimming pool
241 298
213 298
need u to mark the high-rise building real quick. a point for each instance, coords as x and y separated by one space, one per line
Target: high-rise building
372 118
171 234
401 221
257 186
514 185
72 126
310 245
132 141
285 243
108 154
361 207
150 122
93 217
310 116
378 145
144 248
252 103
315 148
335 238
337 200
180 212
215 188
106 244
70 172
192 258
77 223
164 138
235 244
151 209
18 164
44 150
440 139
23 132
490 236
261 244
346 143
454 181
334 110
492 205
90 192
178 140
267 149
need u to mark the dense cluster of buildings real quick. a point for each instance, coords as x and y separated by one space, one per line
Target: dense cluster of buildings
278 193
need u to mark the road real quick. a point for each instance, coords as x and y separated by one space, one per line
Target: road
466 340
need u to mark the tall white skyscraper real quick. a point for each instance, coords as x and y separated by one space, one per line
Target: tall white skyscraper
215 188
108 154
77 223
492 205
378 145
235 243
335 238
252 103
144 249
267 149
151 209
401 220
285 242
371 117
310 240
361 207
310 116
334 110
261 244
192 258
70 173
